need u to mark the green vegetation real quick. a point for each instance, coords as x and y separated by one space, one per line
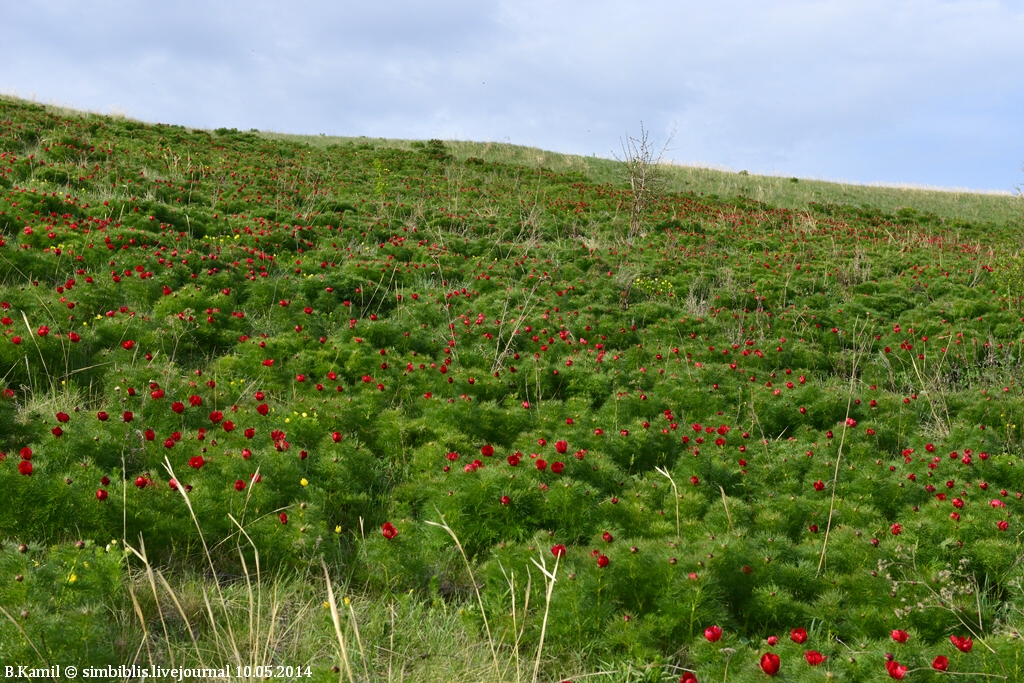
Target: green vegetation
426 410
928 205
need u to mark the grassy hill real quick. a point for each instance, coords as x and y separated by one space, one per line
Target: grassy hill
787 192
415 410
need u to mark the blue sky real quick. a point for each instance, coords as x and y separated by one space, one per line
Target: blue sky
921 92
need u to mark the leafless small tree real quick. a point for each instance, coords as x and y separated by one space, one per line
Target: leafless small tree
644 171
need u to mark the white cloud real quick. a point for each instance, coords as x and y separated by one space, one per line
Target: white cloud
926 92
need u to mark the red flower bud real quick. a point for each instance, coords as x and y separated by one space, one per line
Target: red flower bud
770 663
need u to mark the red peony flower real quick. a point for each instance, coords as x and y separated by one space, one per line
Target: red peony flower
178 407
940 663
388 530
562 446
558 550
542 464
196 461
487 450
25 468
713 633
770 663
602 561
283 517
814 658
101 494
557 467
262 409
216 416
102 416
127 345
900 636
239 484
895 669
964 644
505 500
798 635
63 417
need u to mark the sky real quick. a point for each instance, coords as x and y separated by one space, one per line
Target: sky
921 92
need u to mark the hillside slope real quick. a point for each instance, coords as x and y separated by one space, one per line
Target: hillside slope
748 417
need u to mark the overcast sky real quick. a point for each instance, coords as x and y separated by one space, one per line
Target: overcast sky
923 92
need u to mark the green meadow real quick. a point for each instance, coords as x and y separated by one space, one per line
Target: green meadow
353 409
